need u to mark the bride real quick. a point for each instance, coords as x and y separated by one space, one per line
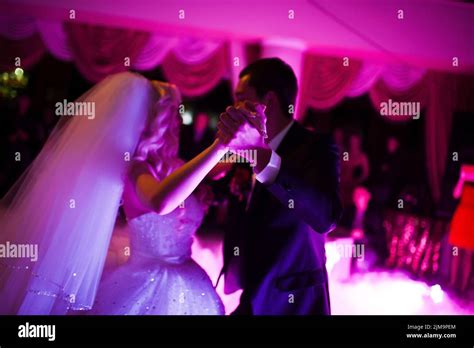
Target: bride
66 204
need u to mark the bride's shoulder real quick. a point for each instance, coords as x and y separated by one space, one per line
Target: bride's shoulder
128 76
138 168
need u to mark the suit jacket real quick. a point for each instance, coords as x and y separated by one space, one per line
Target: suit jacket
276 250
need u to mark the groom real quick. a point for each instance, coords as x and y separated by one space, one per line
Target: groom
276 251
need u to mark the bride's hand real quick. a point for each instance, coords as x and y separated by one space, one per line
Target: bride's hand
255 114
243 126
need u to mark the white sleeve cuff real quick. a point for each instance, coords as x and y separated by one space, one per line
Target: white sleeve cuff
270 172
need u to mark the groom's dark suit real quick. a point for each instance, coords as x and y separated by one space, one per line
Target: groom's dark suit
276 251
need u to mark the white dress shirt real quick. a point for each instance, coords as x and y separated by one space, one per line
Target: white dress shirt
270 172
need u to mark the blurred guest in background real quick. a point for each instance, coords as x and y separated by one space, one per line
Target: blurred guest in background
354 172
384 184
461 235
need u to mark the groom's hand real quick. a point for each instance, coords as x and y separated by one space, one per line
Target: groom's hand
243 127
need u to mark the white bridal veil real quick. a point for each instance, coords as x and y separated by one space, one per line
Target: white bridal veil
67 200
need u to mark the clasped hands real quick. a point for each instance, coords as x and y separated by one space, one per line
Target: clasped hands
243 127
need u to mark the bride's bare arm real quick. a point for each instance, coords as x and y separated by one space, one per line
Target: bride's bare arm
164 196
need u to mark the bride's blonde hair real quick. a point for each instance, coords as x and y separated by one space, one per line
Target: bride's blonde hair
159 142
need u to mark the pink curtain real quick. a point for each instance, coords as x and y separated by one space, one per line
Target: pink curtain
441 95
381 92
196 66
29 51
193 51
201 76
16 28
368 74
325 81
401 77
154 52
55 38
100 51
19 39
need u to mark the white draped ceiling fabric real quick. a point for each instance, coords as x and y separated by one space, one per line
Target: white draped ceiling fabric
196 66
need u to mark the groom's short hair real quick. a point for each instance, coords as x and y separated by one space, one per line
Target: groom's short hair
273 74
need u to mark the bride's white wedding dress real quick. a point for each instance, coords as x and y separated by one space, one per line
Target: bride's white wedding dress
160 277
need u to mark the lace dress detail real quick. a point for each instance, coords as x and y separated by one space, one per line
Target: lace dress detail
160 276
